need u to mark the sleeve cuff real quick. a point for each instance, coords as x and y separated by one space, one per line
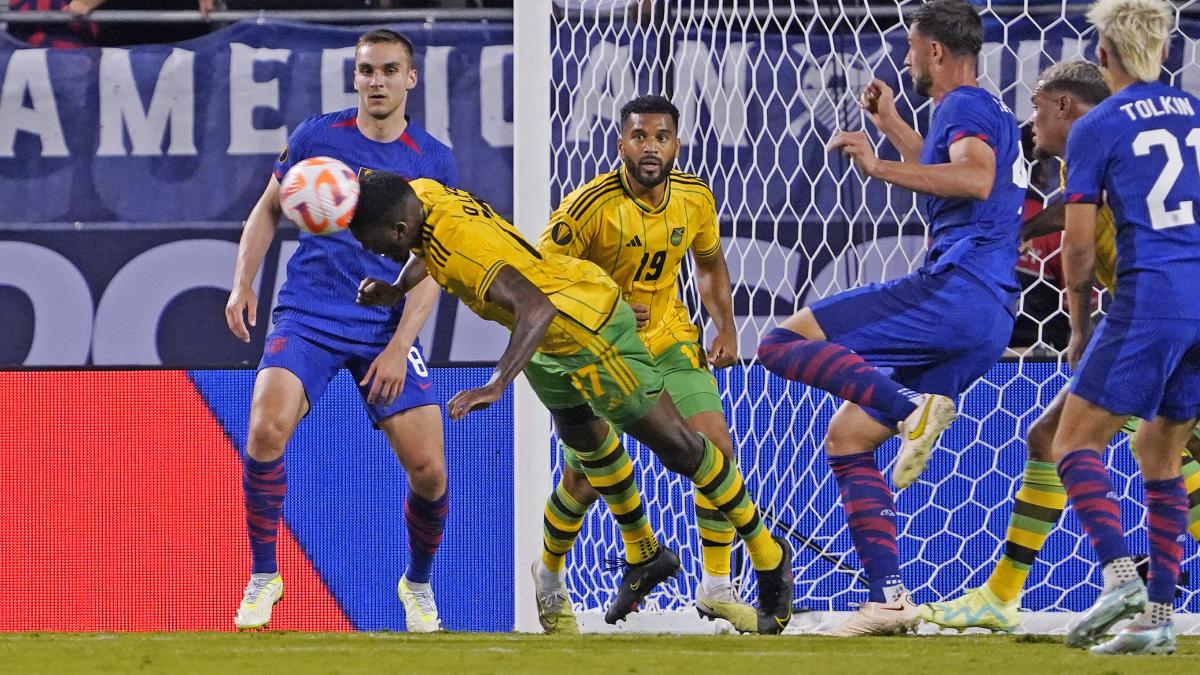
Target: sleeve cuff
1082 198
959 135
488 277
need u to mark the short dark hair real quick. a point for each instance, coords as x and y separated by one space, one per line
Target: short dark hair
382 197
954 23
650 104
390 37
1078 78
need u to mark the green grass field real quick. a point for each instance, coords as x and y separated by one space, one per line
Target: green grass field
295 653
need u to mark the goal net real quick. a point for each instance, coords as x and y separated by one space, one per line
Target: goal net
761 86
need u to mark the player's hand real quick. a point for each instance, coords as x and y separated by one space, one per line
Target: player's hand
473 399
241 300
856 146
378 292
878 101
386 375
641 313
723 352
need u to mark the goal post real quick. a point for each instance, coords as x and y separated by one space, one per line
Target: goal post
762 86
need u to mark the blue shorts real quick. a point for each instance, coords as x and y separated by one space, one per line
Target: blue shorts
1143 367
937 332
315 357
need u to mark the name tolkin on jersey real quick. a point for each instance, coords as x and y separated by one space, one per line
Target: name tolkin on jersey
1158 106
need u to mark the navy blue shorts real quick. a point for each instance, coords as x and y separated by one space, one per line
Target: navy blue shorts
1143 367
315 358
936 332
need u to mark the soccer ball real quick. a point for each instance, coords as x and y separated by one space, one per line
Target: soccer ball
319 195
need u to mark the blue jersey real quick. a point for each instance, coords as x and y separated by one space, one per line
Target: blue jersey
323 275
979 236
1139 149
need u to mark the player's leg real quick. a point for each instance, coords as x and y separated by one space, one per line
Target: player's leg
1189 468
1151 630
293 372
412 423
562 519
1037 507
854 434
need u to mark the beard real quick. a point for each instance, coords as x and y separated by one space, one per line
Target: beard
634 170
923 85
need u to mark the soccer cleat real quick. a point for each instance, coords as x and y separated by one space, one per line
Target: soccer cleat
977 608
776 591
1137 640
639 580
260 596
1121 602
420 610
725 605
554 608
918 432
881 618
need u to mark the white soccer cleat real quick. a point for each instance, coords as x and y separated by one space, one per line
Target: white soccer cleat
881 618
554 608
724 604
260 597
918 432
420 610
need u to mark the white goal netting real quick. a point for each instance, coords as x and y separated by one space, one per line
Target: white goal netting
762 86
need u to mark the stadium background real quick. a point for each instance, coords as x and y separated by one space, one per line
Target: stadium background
116 250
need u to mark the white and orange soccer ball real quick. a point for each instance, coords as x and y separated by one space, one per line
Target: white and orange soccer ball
319 195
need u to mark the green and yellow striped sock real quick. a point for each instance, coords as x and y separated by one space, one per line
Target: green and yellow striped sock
720 482
561 520
610 471
1039 504
716 537
1191 482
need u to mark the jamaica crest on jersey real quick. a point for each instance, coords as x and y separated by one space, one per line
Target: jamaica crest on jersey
676 236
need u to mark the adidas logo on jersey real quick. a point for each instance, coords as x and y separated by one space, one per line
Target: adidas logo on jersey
636 241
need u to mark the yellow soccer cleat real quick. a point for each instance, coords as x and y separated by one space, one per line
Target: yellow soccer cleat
260 597
977 608
723 604
554 608
420 610
918 433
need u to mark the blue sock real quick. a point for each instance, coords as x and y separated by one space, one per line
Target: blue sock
426 520
264 484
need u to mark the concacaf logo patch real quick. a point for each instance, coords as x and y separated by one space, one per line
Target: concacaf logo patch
561 233
283 156
363 172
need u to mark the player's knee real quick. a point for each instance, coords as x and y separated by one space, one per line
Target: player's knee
681 452
427 478
266 440
841 439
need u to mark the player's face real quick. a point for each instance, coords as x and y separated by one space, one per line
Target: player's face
1050 126
394 240
648 146
383 76
918 61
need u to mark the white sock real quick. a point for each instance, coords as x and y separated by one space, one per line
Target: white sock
1118 572
713 585
1154 615
547 579
892 593
416 587
264 575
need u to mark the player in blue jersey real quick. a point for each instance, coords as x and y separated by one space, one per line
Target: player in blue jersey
1138 151
937 329
319 329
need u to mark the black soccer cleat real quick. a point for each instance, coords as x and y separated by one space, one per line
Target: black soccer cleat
639 580
776 590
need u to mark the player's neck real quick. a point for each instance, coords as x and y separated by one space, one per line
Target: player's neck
385 130
1118 80
961 75
651 195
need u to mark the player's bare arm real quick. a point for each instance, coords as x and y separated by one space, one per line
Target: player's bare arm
879 102
387 372
1048 221
532 313
257 236
373 291
717 297
968 175
1079 267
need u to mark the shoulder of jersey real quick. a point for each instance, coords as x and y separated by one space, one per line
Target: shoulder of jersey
423 138
582 200
691 184
329 120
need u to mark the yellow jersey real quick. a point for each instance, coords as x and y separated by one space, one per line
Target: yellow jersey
465 244
639 245
1106 241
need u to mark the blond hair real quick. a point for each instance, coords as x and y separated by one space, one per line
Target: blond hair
1137 31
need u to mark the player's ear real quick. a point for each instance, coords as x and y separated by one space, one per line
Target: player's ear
1065 103
412 77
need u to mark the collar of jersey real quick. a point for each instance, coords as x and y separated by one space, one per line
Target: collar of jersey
639 203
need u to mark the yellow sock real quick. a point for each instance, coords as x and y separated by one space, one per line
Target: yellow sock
561 520
1037 508
716 537
610 471
720 482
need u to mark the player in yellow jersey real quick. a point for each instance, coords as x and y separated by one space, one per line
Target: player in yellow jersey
575 339
638 223
1064 93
